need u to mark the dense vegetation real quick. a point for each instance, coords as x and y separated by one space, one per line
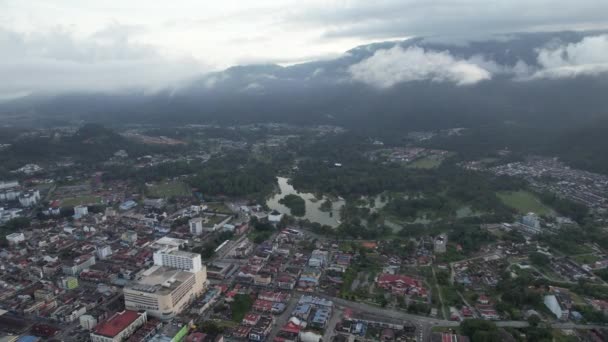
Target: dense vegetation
91 143
295 203
235 175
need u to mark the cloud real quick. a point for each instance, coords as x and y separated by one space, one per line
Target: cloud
587 57
107 60
396 65
390 18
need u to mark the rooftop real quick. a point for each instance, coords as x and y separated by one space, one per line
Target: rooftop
160 279
117 323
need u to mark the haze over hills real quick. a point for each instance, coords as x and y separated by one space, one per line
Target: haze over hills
421 83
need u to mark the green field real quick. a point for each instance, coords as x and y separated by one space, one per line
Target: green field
168 189
74 201
218 207
430 162
524 202
586 258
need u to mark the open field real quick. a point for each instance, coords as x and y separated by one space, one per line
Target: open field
586 258
524 202
218 207
168 189
74 201
430 162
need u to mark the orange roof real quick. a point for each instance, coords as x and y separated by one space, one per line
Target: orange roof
369 244
117 323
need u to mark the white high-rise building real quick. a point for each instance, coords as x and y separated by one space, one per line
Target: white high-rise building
196 226
103 251
29 198
174 258
8 185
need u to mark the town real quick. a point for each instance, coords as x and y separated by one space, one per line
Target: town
102 255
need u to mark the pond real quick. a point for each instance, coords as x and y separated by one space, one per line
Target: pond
313 211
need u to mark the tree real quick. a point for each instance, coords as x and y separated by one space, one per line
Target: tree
539 259
533 320
480 330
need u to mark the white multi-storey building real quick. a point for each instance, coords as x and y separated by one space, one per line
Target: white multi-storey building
174 258
164 292
80 211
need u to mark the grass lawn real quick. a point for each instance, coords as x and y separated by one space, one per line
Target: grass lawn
168 189
218 207
74 201
241 306
226 324
524 202
430 162
586 258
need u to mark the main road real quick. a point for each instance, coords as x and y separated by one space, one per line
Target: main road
425 324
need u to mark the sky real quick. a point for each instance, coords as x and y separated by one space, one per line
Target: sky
65 45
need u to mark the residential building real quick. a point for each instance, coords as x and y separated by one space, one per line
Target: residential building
29 198
208 223
531 220
69 283
103 251
119 326
129 236
79 264
440 245
401 285
15 238
88 322
7 185
80 211
128 205
196 226
275 217
318 258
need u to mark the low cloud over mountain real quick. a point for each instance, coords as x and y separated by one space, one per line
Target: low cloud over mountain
389 67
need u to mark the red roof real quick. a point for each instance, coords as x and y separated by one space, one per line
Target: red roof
391 278
117 323
291 328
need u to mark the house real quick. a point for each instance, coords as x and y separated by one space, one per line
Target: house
262 329
251 319
320 318
318 258
286 281
483 299
401 285
275 217
262 279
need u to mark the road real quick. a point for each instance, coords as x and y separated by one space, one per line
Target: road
330 330
425 324
283 318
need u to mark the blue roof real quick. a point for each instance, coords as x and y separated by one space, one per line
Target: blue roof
28 338
302 309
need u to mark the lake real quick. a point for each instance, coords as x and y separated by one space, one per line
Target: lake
313 213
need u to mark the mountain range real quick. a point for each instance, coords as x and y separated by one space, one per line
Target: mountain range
420 83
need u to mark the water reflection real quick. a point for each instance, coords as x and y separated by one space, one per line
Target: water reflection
313 212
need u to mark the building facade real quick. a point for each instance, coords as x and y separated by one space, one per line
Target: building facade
119 326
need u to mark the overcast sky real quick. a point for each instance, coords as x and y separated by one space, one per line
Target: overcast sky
108 44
